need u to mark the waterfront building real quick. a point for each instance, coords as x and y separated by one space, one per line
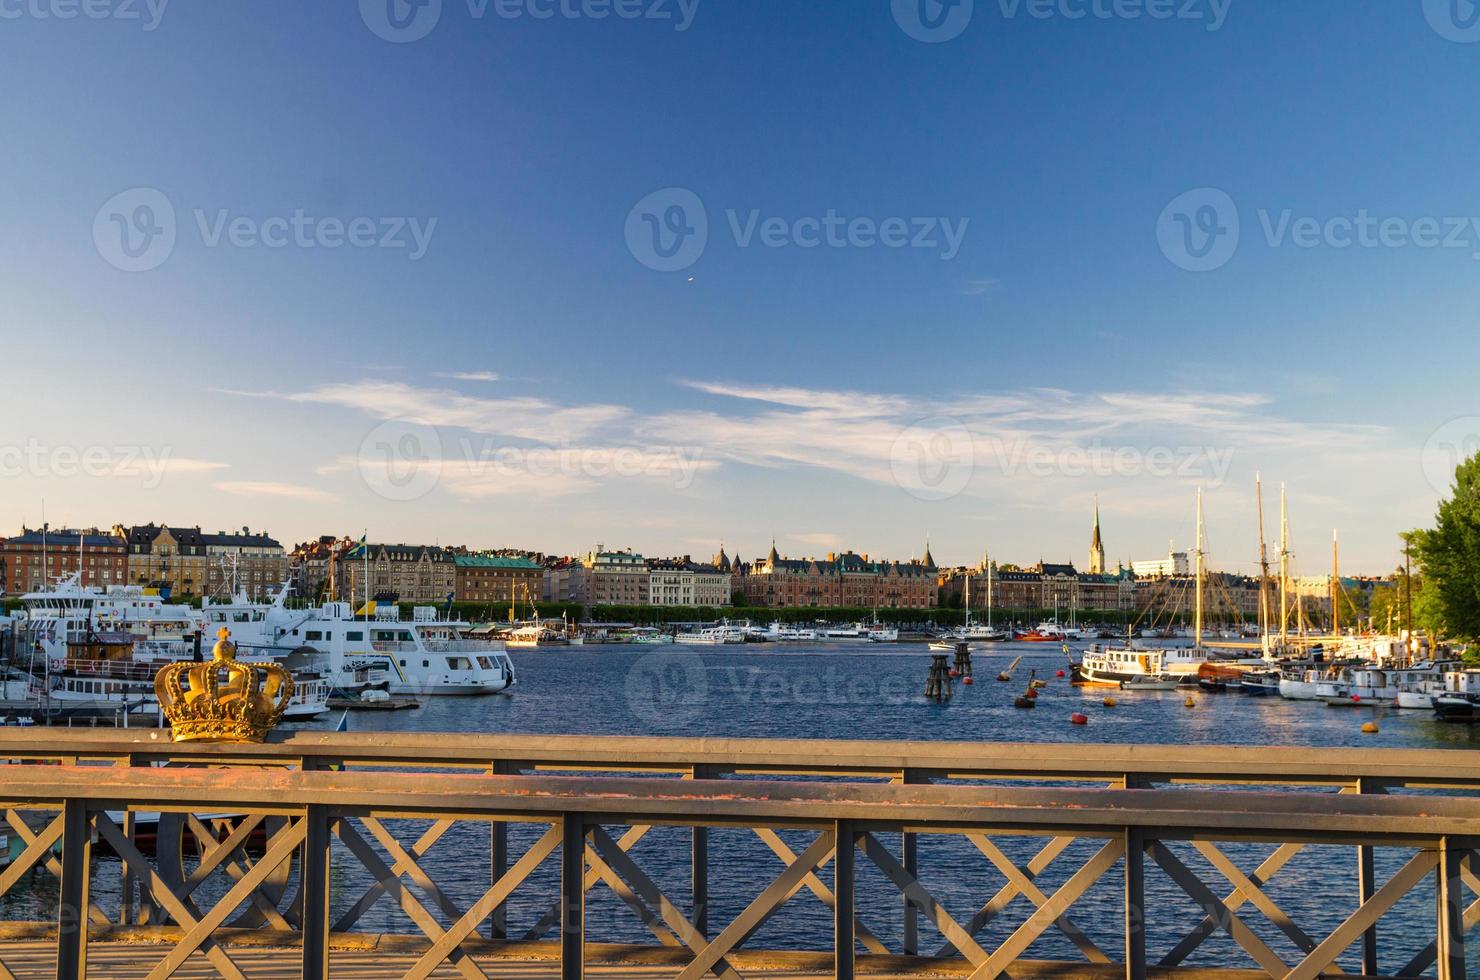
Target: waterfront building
401 572
317 568
1044 586
684 582
1226 597
1174 564
498 579
36 557
567 580
618 578
186 561
250 561
840 580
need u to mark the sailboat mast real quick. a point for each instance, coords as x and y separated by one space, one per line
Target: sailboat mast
1335 583
1198 621
968 600
1284 569
987 560
1263 561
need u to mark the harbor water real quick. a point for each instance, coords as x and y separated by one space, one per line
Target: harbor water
875 691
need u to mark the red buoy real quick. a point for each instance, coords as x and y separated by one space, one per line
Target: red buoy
954 674
1078 719
1060 674
967 682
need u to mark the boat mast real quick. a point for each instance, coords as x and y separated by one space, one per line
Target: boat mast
987 561
1198 617
1335 583
1263 561
1284 570
968 602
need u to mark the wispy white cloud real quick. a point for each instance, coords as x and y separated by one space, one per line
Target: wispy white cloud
534 419
468 375
260 488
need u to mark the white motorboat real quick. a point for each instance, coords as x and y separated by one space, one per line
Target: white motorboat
423 655
711 636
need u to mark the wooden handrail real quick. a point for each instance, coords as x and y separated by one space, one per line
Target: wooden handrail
1232 765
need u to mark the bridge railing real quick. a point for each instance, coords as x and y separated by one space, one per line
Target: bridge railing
278 848
1119 765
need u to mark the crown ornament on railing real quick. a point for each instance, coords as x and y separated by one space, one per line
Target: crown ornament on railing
222 700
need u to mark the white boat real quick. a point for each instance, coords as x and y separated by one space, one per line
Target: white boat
711 636
649 636
423 655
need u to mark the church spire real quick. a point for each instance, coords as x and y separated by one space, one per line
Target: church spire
927 561
1096 545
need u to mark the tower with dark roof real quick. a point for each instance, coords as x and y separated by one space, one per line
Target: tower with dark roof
1096 546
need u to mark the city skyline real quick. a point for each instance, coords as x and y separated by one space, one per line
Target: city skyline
453 254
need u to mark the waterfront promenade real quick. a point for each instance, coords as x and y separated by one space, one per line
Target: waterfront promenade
537 856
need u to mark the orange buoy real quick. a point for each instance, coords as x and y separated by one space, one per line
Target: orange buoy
967 682
1078 719
1109 702
1370 728
954 674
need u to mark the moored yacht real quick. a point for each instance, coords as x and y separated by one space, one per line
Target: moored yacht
424 655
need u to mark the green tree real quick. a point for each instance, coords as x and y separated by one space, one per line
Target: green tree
1449 556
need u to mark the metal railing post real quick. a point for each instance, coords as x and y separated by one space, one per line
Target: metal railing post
1451 898
1135 904
73 901
573 897
1366 887
498 861
699 862
845 883
315 872
909 856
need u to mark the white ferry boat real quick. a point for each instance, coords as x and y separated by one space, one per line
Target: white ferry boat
425 655
711 636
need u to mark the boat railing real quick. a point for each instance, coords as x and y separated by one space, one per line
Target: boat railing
104 669
461 646
395 646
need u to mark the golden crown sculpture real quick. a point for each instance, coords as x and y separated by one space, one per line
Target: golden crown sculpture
222 700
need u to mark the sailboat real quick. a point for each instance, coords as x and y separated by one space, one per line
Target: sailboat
1130 666
977 632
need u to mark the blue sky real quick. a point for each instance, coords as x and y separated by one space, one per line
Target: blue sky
758 390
